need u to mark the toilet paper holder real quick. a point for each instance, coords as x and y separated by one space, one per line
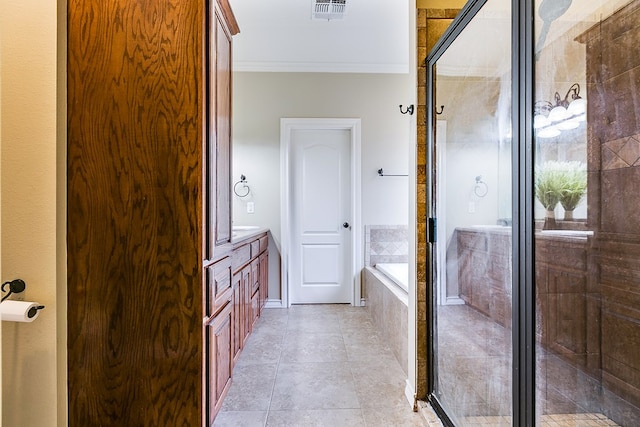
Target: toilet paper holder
17 286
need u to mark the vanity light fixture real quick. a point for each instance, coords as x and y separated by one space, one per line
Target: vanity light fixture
566 114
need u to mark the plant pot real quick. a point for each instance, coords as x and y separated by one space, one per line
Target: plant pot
549 220
568 215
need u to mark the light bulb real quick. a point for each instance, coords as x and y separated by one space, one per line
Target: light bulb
557 114
568 124
548 132
540 121
577 107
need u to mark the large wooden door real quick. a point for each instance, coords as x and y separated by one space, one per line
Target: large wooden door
138 239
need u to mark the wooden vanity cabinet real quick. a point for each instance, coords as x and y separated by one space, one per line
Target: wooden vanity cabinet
220 360
250 282
484 272
566 306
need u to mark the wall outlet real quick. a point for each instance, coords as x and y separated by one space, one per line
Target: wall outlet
472 207
250 208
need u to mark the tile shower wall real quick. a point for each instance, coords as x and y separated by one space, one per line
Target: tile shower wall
385 243
430 25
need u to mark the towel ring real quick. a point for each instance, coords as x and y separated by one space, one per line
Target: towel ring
241 192
481 189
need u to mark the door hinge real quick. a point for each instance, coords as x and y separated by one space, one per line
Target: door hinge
432 225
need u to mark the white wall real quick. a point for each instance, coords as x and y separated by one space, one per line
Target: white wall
28 33
261 99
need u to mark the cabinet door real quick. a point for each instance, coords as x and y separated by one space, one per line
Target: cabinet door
219 138
255 308
238 325
246 302
219 359
264 278
255 275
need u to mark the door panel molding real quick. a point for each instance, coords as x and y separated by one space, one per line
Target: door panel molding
287 127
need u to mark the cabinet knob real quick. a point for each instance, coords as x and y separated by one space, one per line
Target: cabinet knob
345 225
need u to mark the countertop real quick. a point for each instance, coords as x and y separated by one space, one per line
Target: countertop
240 234
547 234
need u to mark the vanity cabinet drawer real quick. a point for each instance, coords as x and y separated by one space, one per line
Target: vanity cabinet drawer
241 256
264 243
255 248
218 285
255 275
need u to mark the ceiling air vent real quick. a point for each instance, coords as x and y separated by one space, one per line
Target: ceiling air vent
328 9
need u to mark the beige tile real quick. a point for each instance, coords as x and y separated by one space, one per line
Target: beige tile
262 347
368 351
241 418
379 383
252 386
398 416
366 390
356 323
314 386
316 347
316 418
313 323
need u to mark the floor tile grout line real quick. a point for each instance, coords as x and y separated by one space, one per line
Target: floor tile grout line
346 327
275 379
353 378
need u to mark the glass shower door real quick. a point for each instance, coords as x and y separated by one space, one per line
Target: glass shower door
587 238
472 347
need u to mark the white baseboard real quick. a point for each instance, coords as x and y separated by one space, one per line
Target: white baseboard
410 394
274 303
454 301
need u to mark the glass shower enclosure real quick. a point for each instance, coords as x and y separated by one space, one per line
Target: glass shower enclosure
534 177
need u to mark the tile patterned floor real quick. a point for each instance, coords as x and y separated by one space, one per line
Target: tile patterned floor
326 365
317 365
560 420
475 375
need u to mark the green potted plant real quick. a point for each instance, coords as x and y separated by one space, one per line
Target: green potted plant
548 185
574 187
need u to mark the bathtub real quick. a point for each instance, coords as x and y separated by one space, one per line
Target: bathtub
386 299
397 272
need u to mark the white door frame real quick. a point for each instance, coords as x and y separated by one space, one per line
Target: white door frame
287 126
441 214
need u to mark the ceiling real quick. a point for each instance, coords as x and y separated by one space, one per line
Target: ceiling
281 36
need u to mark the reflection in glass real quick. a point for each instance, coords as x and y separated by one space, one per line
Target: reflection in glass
472 348
587 245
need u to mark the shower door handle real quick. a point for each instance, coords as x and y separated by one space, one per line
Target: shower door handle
432 226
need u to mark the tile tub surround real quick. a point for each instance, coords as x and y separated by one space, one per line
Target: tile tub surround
385 243
388 309
317 365
389 313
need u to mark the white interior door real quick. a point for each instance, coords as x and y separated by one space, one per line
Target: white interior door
321 234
